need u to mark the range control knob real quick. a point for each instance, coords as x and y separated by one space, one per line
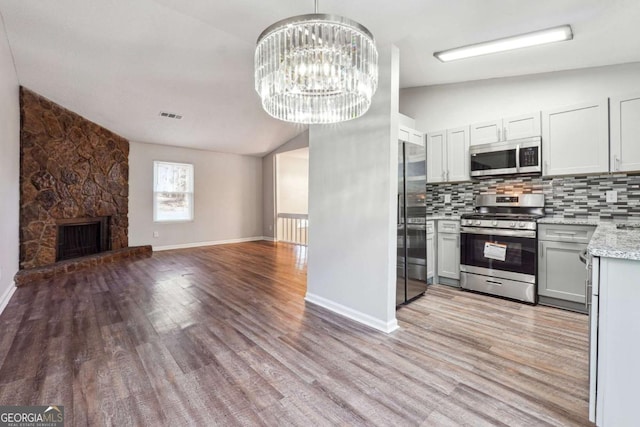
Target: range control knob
494 222
512 224
478 222
522 225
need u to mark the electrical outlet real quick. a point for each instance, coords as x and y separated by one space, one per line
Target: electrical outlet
271 228
156 234
447 198
612 196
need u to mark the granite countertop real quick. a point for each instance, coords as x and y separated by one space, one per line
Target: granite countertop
610 242
607 240
570 221
454 217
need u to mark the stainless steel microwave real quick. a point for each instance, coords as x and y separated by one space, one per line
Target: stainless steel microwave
518 156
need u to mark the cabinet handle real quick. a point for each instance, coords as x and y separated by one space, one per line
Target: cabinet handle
505 134
616 160
447 175
443 176
546 167
499 130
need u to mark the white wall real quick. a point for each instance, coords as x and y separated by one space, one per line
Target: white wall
293 184
228 197
445 106
268 180
9 170
352 202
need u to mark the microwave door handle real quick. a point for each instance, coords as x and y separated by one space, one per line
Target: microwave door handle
518 158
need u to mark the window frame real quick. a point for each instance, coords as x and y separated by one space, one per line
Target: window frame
190 195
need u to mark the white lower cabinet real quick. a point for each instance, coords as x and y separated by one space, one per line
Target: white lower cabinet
562 276
614 343
449 249
431 248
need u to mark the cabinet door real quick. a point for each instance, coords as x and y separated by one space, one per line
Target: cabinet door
458 154
449 255
575 140
560 273
625 134
523 126
431 256
436 156
484 133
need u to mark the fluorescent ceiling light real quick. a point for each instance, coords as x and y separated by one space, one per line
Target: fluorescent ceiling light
550 35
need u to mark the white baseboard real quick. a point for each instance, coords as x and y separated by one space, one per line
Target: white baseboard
269 238
352 314
4 299
210 243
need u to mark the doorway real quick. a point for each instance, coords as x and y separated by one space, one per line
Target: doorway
292 196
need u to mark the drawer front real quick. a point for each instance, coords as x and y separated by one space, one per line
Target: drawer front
565 233
430 227
448 226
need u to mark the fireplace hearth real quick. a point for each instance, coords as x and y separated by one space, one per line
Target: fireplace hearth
82 236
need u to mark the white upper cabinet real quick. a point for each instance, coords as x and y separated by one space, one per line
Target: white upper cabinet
436 156
522 126
575 139
458 154
484 133
448 155
625 134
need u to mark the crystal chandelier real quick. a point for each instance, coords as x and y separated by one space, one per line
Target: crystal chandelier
316 69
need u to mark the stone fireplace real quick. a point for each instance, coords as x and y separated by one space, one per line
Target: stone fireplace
82 237
72 172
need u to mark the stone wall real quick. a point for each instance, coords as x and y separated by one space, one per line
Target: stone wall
69 168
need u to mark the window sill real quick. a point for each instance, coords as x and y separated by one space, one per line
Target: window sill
177 221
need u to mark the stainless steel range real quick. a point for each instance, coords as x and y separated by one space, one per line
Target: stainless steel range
498 246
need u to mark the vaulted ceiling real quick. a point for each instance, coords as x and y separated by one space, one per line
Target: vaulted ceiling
121 62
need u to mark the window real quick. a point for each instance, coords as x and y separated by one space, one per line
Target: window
172 191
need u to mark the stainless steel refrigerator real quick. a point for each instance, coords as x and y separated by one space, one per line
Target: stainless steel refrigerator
412 234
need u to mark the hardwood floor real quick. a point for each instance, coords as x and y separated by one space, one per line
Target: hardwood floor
222 336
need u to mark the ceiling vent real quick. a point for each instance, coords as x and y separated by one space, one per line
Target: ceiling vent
170 115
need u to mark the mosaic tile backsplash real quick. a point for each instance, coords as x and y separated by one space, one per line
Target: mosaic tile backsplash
570 197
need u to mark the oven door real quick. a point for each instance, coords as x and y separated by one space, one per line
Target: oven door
509 254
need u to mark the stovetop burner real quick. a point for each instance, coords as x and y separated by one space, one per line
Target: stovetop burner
502 216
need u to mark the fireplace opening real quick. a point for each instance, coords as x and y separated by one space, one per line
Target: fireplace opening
82 237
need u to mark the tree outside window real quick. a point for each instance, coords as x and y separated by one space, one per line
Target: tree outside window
172 191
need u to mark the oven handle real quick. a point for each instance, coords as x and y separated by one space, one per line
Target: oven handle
517 158
527 234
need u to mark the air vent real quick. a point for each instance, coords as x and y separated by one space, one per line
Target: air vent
170 115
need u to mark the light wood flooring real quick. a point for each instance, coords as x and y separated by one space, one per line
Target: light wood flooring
222 336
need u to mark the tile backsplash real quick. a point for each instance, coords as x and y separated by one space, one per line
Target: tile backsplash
567 196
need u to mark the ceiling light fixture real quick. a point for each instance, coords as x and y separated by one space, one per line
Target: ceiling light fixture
535 38
316 69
